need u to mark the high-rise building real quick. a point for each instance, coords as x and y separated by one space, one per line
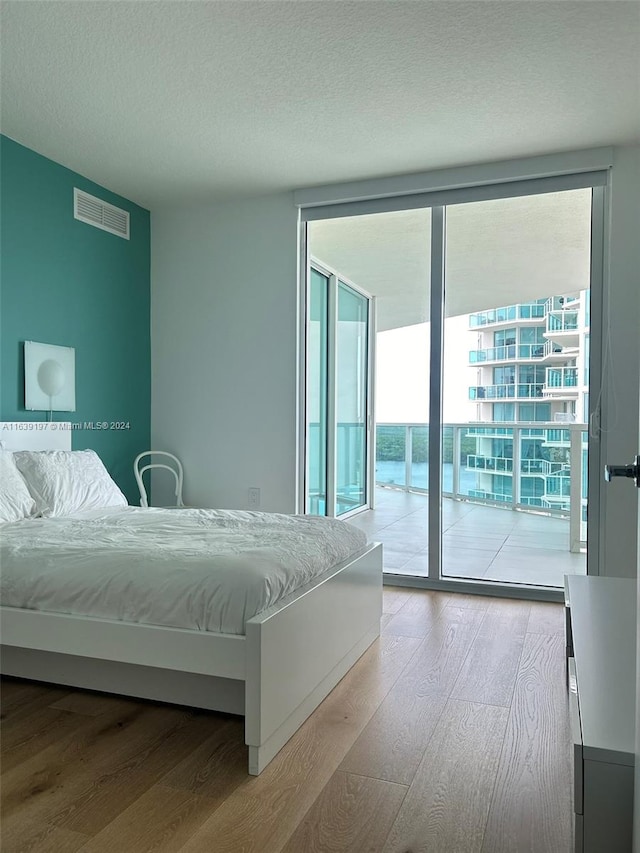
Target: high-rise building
531 377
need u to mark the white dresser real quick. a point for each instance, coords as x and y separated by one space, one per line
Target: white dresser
601 667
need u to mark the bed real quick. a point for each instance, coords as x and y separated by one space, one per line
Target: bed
270 644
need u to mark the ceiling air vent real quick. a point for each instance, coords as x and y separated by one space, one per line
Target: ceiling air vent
87 208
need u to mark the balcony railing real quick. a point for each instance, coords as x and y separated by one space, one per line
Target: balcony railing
558 488
504 465
562 321
527 475
551 348
490 431
511 390
560 303
489 463
557 437
544 467
561 377
523 311
508 352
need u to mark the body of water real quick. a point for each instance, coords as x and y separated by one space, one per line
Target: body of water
393 473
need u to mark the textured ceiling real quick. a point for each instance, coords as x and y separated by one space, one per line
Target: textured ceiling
182 101
498 253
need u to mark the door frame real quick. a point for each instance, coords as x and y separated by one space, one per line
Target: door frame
545 174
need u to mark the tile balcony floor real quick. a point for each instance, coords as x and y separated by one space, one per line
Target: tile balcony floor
478 542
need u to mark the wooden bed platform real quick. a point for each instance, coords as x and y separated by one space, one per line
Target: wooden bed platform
291 657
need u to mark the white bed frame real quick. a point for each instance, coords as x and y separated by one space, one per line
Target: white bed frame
291 657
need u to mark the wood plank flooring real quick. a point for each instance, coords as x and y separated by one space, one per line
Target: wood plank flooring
450 735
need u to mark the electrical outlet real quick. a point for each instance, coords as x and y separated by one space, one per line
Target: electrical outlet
254 498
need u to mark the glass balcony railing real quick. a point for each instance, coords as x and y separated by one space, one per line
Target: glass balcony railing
561 377
541 467
551 348
508 352
524 311
507 391
490 496
492 431
557 487
562 321
489 463
529 466
557 436
560 303
494 463
545 467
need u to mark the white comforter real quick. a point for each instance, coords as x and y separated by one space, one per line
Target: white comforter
200 569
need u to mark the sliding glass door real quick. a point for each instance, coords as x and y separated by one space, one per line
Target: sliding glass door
351 379
517 292
339 391
317 392
488 339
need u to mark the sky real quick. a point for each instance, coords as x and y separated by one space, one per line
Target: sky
402 373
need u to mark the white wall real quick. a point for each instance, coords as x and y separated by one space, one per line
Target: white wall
224 349
619 499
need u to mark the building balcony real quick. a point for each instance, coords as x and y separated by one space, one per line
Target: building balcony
556 438
527 313
504 465
554 353
562 303
561 383
562 327
482 539
558 490
508 353
491 431
544 467
534 488
494 464
508 391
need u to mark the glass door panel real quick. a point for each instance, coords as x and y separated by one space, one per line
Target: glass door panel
352 403
515 387
387 255
316 461
338 383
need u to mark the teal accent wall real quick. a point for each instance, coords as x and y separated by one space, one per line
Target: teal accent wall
67 283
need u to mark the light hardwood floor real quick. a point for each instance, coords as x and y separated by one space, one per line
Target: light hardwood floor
450 735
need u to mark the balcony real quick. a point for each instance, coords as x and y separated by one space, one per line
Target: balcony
498 464
543 467
528 482
508 391
562 303
553 352
492 431
479 541
558 489
556 438
563 328
561 383
527 311
504 465
509 352
486 535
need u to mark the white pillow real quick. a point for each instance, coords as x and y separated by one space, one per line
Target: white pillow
64 482
15 501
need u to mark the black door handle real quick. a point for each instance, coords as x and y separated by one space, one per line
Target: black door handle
632 471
